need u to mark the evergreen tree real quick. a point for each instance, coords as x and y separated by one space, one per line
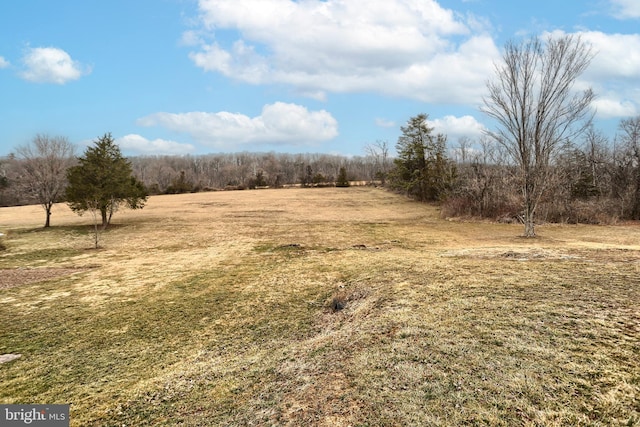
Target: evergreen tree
343 180
422 168
103 181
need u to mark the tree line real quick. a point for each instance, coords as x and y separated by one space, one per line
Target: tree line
543 162
172 174
593 179
102 180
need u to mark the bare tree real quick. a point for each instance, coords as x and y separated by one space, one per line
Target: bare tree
379 152
43 165
537 110
595 148
630 138
464 147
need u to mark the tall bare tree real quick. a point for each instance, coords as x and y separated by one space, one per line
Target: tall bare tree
537 109
43 165
379 152
595 148
630 138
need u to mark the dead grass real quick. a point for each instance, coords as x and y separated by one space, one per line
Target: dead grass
10 277
218 309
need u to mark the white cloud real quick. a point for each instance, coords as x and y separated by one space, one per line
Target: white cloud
384 123
51 65
140 144
3 62
407 48
456 127
607 108
626 9
191 38
616 55
279 123
614 72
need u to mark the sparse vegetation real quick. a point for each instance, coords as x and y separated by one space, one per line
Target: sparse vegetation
444 323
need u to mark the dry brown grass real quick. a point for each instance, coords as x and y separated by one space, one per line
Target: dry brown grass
216 309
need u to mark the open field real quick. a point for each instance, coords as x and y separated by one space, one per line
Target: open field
216 309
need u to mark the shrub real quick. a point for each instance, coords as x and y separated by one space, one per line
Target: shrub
180 185
594 211
493 208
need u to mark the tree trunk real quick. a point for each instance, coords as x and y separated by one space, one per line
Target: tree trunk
529 228
47 222
105 220
96 234
529 209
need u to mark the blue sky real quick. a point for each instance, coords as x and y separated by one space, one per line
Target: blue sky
209 76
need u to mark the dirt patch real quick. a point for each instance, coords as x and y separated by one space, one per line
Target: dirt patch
12 277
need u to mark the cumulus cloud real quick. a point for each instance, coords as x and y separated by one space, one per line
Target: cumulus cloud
616 55
457 127
279 123
142 145
614 72
612 107
397 47
626 9
3 62
51 65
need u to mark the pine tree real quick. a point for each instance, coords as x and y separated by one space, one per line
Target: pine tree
103 181
343 180
422 168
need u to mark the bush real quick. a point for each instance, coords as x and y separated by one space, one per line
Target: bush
602 212
493 208
180 185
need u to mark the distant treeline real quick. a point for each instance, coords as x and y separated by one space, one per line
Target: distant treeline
173 174
211 172
594 180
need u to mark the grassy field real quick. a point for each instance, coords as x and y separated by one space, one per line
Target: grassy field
220 309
